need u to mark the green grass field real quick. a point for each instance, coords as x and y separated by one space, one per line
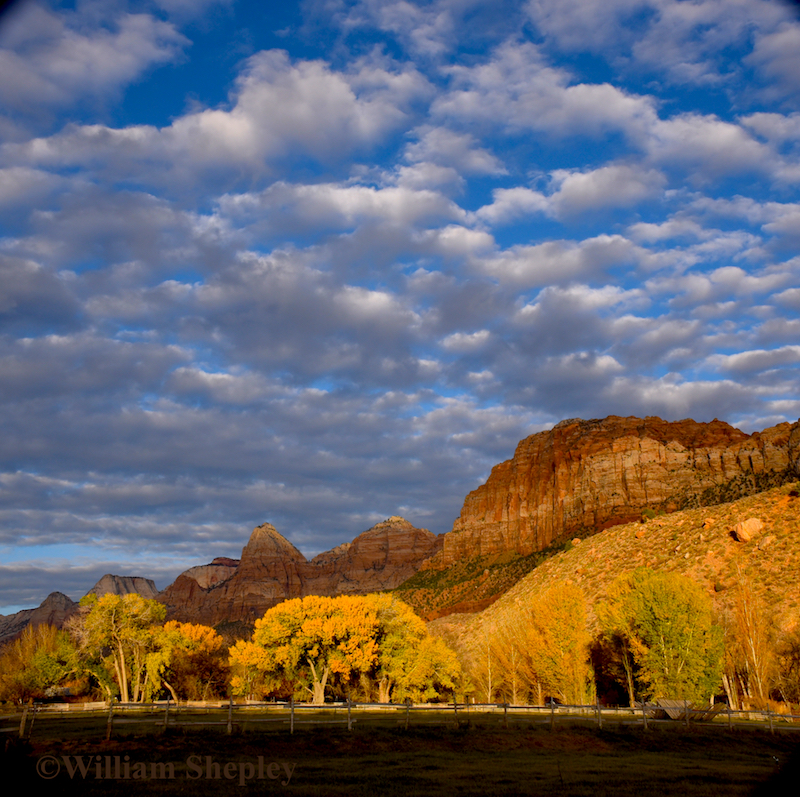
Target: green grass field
426 760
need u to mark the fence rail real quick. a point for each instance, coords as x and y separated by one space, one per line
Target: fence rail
91 718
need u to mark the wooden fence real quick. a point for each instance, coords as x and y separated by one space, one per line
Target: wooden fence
58 719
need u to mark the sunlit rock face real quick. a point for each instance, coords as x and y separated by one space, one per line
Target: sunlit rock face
583 476
380 558
272 570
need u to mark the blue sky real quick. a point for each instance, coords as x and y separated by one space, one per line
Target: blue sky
327 263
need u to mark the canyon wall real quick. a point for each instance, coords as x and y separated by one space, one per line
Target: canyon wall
583 476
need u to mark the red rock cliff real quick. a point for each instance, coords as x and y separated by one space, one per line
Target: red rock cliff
272 570
583 476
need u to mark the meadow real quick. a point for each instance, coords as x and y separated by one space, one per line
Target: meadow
475 758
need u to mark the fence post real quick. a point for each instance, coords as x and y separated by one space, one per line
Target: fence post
769 715
230 715
644 714
166 715
729 717
291 714
552 713
599 712
22 722
349 722
110 719
455 707
686 712
34 712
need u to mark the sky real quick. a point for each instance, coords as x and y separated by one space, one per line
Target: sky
318 263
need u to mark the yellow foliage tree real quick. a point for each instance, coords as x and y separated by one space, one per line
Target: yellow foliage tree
306 641
308 644
123 625
559 643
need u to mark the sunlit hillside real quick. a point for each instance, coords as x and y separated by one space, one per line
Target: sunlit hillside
699 543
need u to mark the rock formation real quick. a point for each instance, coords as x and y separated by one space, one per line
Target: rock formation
272 570
54 610
583 476
124 585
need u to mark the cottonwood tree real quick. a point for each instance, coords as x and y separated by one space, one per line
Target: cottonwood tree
511 659
666 624
559 639
40 658
120 629
788 655
307 641
189 659
542 646
484 668
411 663
751 660
350 643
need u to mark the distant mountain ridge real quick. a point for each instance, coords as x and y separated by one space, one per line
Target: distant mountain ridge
57 608
272 570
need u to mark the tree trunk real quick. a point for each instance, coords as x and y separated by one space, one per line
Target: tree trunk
384 690
318 684
122 675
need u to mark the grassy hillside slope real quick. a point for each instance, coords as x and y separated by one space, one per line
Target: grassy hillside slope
698 543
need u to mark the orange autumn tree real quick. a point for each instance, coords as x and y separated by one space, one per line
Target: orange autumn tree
190 661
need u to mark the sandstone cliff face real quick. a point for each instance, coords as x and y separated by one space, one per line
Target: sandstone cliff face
584 476
381 558
272 570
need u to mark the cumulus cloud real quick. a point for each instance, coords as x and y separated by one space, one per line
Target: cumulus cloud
280 109
350 282
518 90
50 60
559 262
777 57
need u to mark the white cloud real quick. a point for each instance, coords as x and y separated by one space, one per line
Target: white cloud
516 90
511 204
606 187
775 127
777 57
279 110
559 262
709 147
648 232
51 59
286 206
465 342
458 150
756 360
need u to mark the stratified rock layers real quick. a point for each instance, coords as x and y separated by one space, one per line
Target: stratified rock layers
272 570
584 476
